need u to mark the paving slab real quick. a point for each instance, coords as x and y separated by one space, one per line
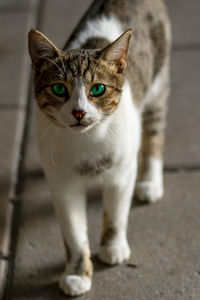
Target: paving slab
14 74
183 138
8 120
185 21
13 56
14 4
60 20
3 271
164 238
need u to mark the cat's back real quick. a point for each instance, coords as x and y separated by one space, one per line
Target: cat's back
137 14
129 12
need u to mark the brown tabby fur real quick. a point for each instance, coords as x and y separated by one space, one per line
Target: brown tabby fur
65 67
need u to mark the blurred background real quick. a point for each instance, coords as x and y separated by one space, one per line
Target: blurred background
165 237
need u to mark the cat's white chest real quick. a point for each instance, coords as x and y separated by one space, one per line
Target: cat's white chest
67 152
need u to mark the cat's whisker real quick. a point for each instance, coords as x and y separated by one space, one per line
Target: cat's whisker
56 141
54 150
112 132
42 136
63 65
52 154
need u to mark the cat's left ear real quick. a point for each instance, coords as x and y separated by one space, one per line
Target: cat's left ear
40 48
117 51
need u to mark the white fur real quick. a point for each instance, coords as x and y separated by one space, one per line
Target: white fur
156 88
106 27
151 187
115 254
157 85
75 285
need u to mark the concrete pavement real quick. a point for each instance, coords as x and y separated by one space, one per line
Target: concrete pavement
165 237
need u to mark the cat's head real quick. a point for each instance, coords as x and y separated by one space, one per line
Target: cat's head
78 88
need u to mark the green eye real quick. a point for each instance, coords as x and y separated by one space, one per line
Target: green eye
59 90
97 90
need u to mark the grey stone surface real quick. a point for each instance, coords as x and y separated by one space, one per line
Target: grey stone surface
9 6
183 138
164 239
13 57
14 75
185 21
8 120
60 20
3 270
13 3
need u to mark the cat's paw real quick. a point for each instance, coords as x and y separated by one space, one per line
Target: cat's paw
114 254
149 191
75 285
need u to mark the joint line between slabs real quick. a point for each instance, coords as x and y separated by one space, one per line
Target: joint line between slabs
185 47
20 170
178 168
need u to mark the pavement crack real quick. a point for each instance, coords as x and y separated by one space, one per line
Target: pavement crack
183 168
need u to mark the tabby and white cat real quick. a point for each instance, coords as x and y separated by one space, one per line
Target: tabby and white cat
94 115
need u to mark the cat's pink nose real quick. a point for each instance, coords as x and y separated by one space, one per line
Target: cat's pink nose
78 114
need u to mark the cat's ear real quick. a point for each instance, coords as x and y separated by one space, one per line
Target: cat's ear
117 51
40 48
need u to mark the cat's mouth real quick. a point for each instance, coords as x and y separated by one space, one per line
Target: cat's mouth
78 124
81 126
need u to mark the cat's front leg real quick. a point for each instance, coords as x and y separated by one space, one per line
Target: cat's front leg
70 204
114 247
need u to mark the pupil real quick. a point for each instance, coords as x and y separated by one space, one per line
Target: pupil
60 88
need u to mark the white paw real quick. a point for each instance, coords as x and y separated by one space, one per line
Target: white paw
149 191
75 285
114 254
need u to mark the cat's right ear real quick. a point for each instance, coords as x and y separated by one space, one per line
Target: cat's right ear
40 48
117 51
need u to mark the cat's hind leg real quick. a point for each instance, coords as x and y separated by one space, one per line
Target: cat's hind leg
149 187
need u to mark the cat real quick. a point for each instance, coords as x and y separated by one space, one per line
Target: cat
101 114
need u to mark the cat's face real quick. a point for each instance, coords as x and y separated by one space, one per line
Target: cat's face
78 89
